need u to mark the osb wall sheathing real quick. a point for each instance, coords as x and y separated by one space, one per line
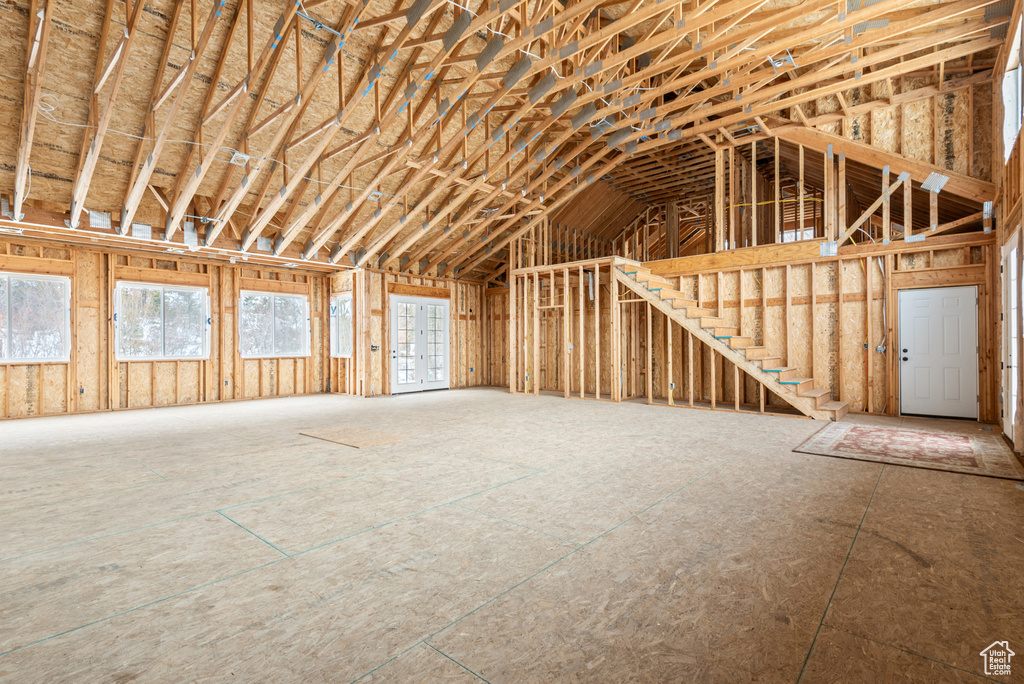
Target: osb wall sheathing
495 332
83 385
953 129
828 340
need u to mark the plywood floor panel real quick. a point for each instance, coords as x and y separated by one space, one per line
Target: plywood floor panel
843 657
511 538
935 580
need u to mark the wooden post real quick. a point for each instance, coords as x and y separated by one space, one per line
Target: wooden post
869 263
648 354
829 209
933 209
669 391
616 366
567 327
886 222
732 198
814 301
632 367
800 198
713 383
736 386
839 330
672 230
753 194
513 362
580 354
842 199
719 241
597 329
789 307
908 213
689 366
778 196
537 335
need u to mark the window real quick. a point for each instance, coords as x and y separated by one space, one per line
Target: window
35 318
1011 109
341 326
435 343
406 353
1012 96
273 325
154 322
797 235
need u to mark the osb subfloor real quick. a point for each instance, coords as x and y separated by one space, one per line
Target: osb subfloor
506 538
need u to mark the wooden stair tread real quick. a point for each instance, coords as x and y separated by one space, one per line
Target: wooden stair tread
815 393
834 405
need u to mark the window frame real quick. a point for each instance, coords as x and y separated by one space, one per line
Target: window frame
1013 107
119 355
798 235
307 337
335 326
66 355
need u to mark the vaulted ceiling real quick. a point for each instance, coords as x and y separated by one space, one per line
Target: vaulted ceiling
426 135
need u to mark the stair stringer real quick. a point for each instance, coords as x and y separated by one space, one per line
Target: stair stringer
804 405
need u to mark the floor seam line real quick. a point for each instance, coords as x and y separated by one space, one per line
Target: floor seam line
839 577
139 607
950 505
104 536
436 649
407 516
240 525
913 653
151 470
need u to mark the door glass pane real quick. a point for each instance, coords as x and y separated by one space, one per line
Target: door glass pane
406 351
139 323
343 315
256 336
183 323
4 350
289 321
435 343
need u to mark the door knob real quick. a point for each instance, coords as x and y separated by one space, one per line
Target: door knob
904 351
905 358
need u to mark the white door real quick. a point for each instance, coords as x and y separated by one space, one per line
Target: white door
1009 339
419 344
938 344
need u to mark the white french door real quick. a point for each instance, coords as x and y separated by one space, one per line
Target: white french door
1010 333
938 345
419 344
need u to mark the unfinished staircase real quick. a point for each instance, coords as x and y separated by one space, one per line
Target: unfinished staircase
709 328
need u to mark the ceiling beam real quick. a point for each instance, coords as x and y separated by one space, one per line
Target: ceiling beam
39 22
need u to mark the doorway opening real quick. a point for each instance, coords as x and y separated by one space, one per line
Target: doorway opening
938 345
419 344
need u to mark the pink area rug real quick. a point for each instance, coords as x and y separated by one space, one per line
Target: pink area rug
973 454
